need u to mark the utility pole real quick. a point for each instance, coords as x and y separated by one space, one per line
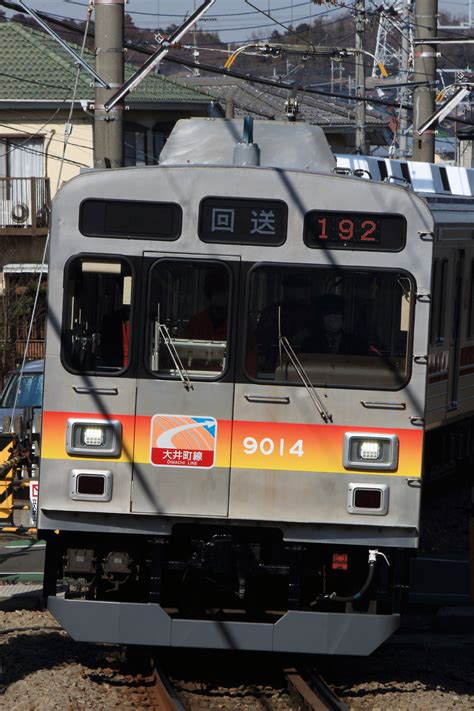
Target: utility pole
360 137
404 73
426 22
109 40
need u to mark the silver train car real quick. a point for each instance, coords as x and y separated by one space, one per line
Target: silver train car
250 350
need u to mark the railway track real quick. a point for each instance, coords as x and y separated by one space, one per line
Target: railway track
311 692
148 687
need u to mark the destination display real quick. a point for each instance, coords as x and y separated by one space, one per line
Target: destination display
354 230
243 221
130 219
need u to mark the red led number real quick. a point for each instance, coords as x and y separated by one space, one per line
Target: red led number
369 227
323 234
346 229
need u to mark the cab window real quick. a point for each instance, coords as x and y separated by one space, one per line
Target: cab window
346 327
96 328
188 319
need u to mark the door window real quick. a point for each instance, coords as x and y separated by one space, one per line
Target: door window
96 329
188 316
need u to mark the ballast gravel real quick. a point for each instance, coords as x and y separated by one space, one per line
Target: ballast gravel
44 670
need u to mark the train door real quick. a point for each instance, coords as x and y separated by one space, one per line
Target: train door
455 335
186 388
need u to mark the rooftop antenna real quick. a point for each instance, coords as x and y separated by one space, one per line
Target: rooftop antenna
165 46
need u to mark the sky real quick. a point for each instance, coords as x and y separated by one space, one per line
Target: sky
234 20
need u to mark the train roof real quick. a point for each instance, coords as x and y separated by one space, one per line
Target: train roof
434 182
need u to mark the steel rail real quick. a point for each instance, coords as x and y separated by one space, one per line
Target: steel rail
314 695
148 687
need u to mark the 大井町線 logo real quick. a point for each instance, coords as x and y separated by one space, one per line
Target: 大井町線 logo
183 441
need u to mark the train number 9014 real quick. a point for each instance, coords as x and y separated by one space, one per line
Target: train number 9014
268 446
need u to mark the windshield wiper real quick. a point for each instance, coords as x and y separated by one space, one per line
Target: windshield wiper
303 375
181 370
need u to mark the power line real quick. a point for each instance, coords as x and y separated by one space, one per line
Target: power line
238 75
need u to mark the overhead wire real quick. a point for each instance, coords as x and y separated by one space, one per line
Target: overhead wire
188 63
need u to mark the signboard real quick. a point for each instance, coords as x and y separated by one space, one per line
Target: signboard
130 219
183 441
354 230
243 221
34 485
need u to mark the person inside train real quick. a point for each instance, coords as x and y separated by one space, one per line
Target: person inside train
211 323
328 334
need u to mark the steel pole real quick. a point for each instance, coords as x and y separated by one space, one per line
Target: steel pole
109 41
426 26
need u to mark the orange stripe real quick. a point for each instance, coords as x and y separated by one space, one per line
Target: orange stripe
320 446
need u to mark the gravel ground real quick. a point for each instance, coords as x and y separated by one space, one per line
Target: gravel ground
421 671
43 670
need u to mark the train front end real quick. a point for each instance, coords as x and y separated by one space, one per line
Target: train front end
234 397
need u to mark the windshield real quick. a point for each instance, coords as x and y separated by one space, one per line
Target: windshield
348 327
30 393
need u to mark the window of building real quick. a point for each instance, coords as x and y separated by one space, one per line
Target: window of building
135 145
188 317
22 157
346 327
96 328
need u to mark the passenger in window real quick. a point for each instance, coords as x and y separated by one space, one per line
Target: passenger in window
328 334
211 324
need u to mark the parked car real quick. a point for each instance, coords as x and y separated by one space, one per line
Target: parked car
30 393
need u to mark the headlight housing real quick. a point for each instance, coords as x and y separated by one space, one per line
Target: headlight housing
370 450
94 438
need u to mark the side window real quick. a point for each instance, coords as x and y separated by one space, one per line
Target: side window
96 328
470 318
188 318
438 314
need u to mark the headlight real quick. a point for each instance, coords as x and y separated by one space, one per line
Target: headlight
363 450
370 450
94 438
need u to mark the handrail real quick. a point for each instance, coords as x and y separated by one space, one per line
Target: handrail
303 375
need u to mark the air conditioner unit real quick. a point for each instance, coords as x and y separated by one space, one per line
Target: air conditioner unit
13 213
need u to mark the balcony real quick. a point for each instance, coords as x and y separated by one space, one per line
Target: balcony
24 206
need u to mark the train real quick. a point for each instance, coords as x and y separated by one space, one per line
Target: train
257 352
